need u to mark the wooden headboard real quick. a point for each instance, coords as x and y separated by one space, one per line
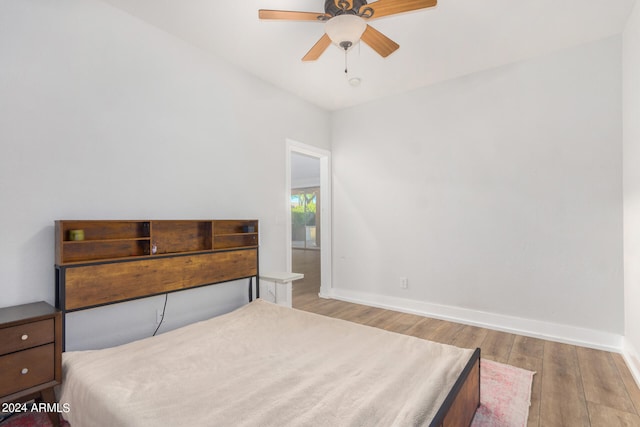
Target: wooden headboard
106 262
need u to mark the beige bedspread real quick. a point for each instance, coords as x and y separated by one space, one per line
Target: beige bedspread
262 365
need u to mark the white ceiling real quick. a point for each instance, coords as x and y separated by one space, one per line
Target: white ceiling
455 38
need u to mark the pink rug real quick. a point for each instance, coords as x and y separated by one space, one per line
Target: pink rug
505 395
31 419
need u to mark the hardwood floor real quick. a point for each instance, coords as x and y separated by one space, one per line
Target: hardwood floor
573 386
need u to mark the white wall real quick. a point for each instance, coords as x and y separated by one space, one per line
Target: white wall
498 195
631 167
104 117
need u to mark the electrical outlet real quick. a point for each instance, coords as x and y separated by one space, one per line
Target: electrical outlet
159 316
404 282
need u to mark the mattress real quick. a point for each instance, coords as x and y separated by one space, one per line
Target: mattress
262 365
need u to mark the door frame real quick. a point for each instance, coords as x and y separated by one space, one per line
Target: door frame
325 209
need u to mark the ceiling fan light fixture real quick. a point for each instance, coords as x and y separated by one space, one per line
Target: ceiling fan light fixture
345 30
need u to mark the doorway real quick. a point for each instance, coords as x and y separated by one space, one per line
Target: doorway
309 217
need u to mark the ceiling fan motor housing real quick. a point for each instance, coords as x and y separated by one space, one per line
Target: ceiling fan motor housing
340 7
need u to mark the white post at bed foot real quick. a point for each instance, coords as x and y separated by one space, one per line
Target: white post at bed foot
276 287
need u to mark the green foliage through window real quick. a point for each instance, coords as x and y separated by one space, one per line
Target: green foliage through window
303 209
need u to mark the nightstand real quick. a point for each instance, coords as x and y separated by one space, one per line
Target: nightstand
30 353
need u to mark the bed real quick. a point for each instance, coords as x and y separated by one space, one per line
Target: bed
260 365
267 365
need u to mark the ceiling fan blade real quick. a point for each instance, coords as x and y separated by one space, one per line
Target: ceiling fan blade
318 48
379 42
290 15
391 7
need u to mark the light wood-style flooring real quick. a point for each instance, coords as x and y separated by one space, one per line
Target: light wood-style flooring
573 386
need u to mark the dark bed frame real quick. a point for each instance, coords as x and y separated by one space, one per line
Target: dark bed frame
86 285
463 400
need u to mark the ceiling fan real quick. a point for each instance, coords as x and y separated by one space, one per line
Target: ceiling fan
346 23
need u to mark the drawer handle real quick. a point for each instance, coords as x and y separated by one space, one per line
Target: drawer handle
24 337
24 371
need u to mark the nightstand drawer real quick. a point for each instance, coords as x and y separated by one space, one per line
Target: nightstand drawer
27 368
26 336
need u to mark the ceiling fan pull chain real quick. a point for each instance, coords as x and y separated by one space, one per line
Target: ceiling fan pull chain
345 62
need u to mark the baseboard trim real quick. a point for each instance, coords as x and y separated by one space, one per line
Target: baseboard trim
516 325
632 359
